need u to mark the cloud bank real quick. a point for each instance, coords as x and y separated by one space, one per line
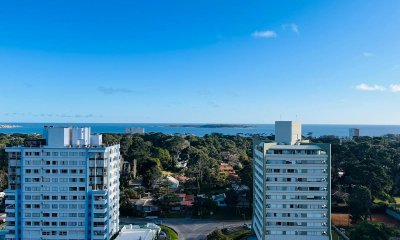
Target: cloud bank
264 34
366 87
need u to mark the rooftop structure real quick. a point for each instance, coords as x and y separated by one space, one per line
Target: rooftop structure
149 231
287 132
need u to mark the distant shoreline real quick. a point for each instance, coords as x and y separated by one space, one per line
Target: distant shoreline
210 126
10 126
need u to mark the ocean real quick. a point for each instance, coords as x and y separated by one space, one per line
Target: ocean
202 129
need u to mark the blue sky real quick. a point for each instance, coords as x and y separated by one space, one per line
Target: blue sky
200 61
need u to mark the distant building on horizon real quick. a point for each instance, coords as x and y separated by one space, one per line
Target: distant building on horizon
65 186
291 187
354 132
134 130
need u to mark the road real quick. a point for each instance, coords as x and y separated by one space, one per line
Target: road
188 228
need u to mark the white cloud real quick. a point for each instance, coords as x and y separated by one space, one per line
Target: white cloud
366 87
292 26
264 34
368 54
395 88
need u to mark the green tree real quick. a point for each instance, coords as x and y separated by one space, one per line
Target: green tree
360 203
371 231
203 169
151 171
203 207
217 235
165 158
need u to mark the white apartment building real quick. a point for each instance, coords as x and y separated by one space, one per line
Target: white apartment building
291 187
65 186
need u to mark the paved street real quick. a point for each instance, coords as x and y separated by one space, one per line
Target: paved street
187 228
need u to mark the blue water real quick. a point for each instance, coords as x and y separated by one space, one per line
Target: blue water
316 129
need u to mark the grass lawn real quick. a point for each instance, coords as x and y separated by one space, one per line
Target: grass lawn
239 233
377 200
171 234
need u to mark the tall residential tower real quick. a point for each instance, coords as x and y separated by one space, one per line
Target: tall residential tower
291 187
65 186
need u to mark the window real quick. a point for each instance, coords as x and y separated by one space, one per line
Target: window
36 197
54 154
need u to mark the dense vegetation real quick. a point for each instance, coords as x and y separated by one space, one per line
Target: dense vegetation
370 165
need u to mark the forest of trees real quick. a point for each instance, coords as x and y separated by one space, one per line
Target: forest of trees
370 165
373 162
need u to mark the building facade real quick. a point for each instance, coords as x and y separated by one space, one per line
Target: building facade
354 132
291 187
65 186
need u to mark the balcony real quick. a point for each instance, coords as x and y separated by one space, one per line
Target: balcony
100 227
100 209
100 219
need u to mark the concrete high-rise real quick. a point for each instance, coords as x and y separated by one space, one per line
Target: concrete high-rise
291 187
65 186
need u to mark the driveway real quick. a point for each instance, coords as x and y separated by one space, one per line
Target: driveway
188 228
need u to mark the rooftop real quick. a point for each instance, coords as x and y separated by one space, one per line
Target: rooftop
295 147
135 232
